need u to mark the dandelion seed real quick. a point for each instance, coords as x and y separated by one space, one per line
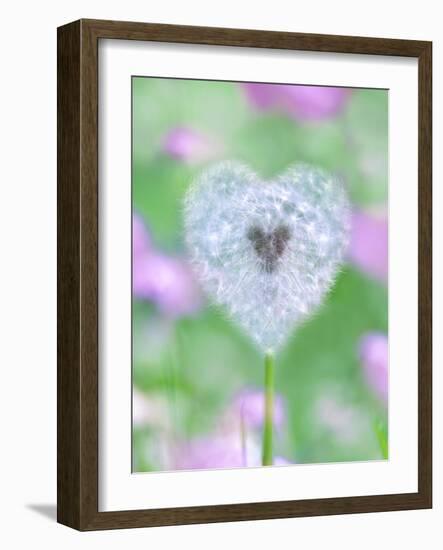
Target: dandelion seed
279 247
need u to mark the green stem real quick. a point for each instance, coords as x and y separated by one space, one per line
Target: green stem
381 431
267 458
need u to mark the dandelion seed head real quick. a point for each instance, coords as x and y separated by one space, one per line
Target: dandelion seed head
266 251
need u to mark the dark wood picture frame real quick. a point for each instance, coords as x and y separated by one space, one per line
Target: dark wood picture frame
77 455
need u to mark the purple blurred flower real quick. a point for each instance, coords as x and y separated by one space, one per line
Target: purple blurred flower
303 103
281 461
141 243
221 451
212 452
248 407
188 145
166 281
236 441
162 279
262 96
374 356
368 248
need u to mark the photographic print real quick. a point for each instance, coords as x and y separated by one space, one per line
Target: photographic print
242 333
259 274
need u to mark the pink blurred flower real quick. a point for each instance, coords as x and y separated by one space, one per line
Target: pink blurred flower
368 248
221 451
248 407
374 356
188 145
281 461
166 281
214 452
303 103
262 96
162 279
236 441
141 243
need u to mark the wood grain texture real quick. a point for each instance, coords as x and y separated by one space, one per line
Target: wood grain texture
68 275
254 38
425 273
77 172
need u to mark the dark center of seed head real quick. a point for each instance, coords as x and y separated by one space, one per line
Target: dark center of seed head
269 245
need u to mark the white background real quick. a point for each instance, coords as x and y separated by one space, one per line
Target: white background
28 276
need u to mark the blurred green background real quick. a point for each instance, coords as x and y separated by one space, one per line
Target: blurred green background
189 365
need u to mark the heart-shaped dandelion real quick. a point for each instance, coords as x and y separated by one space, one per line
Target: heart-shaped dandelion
266 251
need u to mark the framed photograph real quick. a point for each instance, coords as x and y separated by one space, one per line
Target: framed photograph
244 274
